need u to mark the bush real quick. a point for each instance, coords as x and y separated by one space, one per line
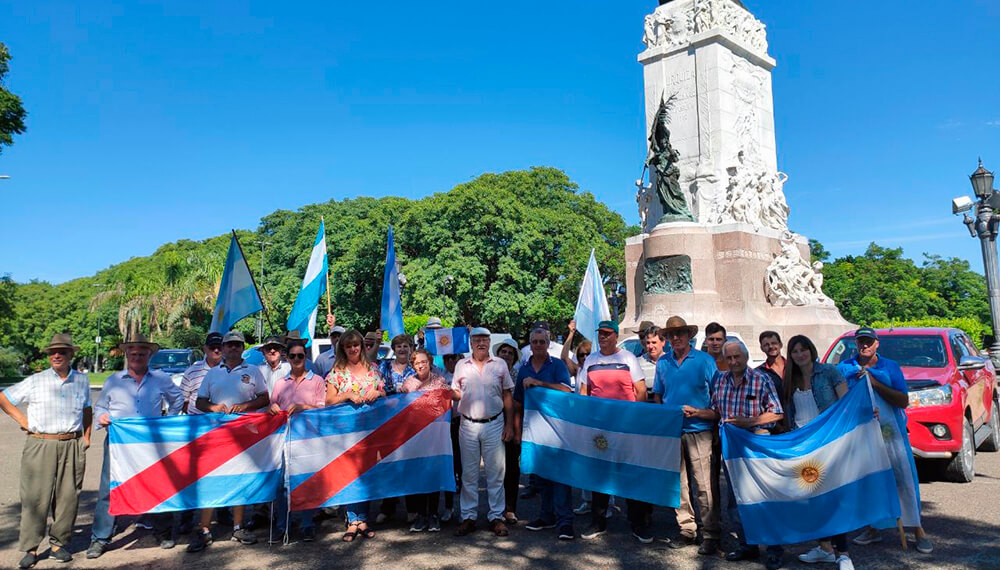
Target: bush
973 327
10 362
414 323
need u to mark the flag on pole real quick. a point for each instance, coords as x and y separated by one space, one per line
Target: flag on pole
302 318
238 296
178 463
592 305
620 448
447 341
392 307
399 445
831 476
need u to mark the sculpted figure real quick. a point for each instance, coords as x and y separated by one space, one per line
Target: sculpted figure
662 161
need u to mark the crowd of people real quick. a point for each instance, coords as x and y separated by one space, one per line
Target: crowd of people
712 386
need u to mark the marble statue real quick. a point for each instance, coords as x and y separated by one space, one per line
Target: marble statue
663 169
730 16
790 280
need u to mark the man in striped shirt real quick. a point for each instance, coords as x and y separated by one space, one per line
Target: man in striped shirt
197 371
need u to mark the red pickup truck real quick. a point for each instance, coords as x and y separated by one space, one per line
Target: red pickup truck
953 407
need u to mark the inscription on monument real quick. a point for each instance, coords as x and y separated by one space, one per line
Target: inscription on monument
667 275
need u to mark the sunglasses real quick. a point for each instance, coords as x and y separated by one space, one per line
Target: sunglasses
296 356
605 333
62 351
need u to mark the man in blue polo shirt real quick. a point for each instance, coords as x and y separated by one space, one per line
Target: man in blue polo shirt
544 371
684 379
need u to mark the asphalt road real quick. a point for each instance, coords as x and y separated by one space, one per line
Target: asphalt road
963 520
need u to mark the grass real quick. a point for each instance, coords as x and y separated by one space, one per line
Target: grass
96 379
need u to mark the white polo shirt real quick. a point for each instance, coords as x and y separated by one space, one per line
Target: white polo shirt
482 390
231 386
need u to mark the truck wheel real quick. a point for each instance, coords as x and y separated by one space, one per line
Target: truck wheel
992 443
962 467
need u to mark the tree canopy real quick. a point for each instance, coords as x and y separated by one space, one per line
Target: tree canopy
12 112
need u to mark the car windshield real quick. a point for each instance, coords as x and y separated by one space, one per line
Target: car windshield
168 358
922 351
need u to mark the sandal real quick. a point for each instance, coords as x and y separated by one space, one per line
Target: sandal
366 532
350 535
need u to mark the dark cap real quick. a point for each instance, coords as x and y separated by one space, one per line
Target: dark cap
608 325
273 340
866 332
213 339
544 325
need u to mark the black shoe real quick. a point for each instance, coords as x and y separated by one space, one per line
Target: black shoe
244 536
566 532
199 541
682 541
594 531
539 524
642 534
61 555
29 560
772 561
309 534
709 547
96 549
743 553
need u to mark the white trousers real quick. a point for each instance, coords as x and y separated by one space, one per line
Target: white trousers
482 441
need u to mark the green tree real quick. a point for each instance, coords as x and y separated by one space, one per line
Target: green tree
12 113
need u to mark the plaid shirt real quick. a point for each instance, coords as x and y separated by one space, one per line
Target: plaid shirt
54 405
754 396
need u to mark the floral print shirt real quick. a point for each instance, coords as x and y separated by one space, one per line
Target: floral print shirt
364 385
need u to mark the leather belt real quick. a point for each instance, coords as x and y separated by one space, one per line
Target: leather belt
486 421
57 436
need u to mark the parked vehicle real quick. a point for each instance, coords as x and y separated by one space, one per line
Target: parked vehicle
953 407
174 361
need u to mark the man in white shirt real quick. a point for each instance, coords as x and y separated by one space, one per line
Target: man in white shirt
483 387
275 366
232 388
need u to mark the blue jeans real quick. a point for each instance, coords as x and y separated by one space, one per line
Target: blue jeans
304 518
104 523
555 498
357 513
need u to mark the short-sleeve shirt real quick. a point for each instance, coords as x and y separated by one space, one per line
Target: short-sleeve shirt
687 384
310 391
754 396
190 382
611 376
272 375
231 386
553 371
363 385
482 390
54 405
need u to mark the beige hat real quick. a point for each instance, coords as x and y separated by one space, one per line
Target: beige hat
140 339
675 322
62 340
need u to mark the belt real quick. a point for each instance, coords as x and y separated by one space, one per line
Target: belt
486 421
57 436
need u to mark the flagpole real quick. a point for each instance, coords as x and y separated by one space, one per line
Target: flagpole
328 310
254 281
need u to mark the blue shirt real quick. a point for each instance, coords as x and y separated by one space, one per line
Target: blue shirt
394 380
324 362
125 397
687 384
553 371
885 371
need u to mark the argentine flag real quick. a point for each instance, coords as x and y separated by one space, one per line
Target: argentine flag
392 307
829 477
620 448
302 318
447 341
238 297
592 305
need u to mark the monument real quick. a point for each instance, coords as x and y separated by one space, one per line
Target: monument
715 244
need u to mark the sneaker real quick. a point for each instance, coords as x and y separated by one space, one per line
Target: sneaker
199 541
61 555
244 536
539 524
29 560
566 532
869 536
924 545
817 554
642 534
682 541
447 515
433 524
844 562
583 509
419 524
309 534
167 542
381 518
96 549
468 526
499 528
593 531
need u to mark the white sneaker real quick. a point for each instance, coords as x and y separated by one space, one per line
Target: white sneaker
583 509
844 562
817 554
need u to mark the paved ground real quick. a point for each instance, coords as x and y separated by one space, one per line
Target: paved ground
963 521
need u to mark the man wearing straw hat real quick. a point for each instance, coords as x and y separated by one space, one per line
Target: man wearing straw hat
136 391
58 426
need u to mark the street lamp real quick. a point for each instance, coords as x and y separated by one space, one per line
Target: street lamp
984 226
617 297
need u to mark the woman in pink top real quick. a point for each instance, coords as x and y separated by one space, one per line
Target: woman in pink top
424 381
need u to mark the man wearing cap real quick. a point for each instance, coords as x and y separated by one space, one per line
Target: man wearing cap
888 381
58 425
616 374
193 376
482 385
235 387
275 367
136 391
684 380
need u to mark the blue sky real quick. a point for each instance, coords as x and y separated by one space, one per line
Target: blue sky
150 123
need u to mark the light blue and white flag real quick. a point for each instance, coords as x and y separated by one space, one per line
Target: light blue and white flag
302 318
447 341
392 305
620 448
829 477
238 297
592 305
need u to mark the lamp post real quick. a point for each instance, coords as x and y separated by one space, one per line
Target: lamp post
617 297
984 226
